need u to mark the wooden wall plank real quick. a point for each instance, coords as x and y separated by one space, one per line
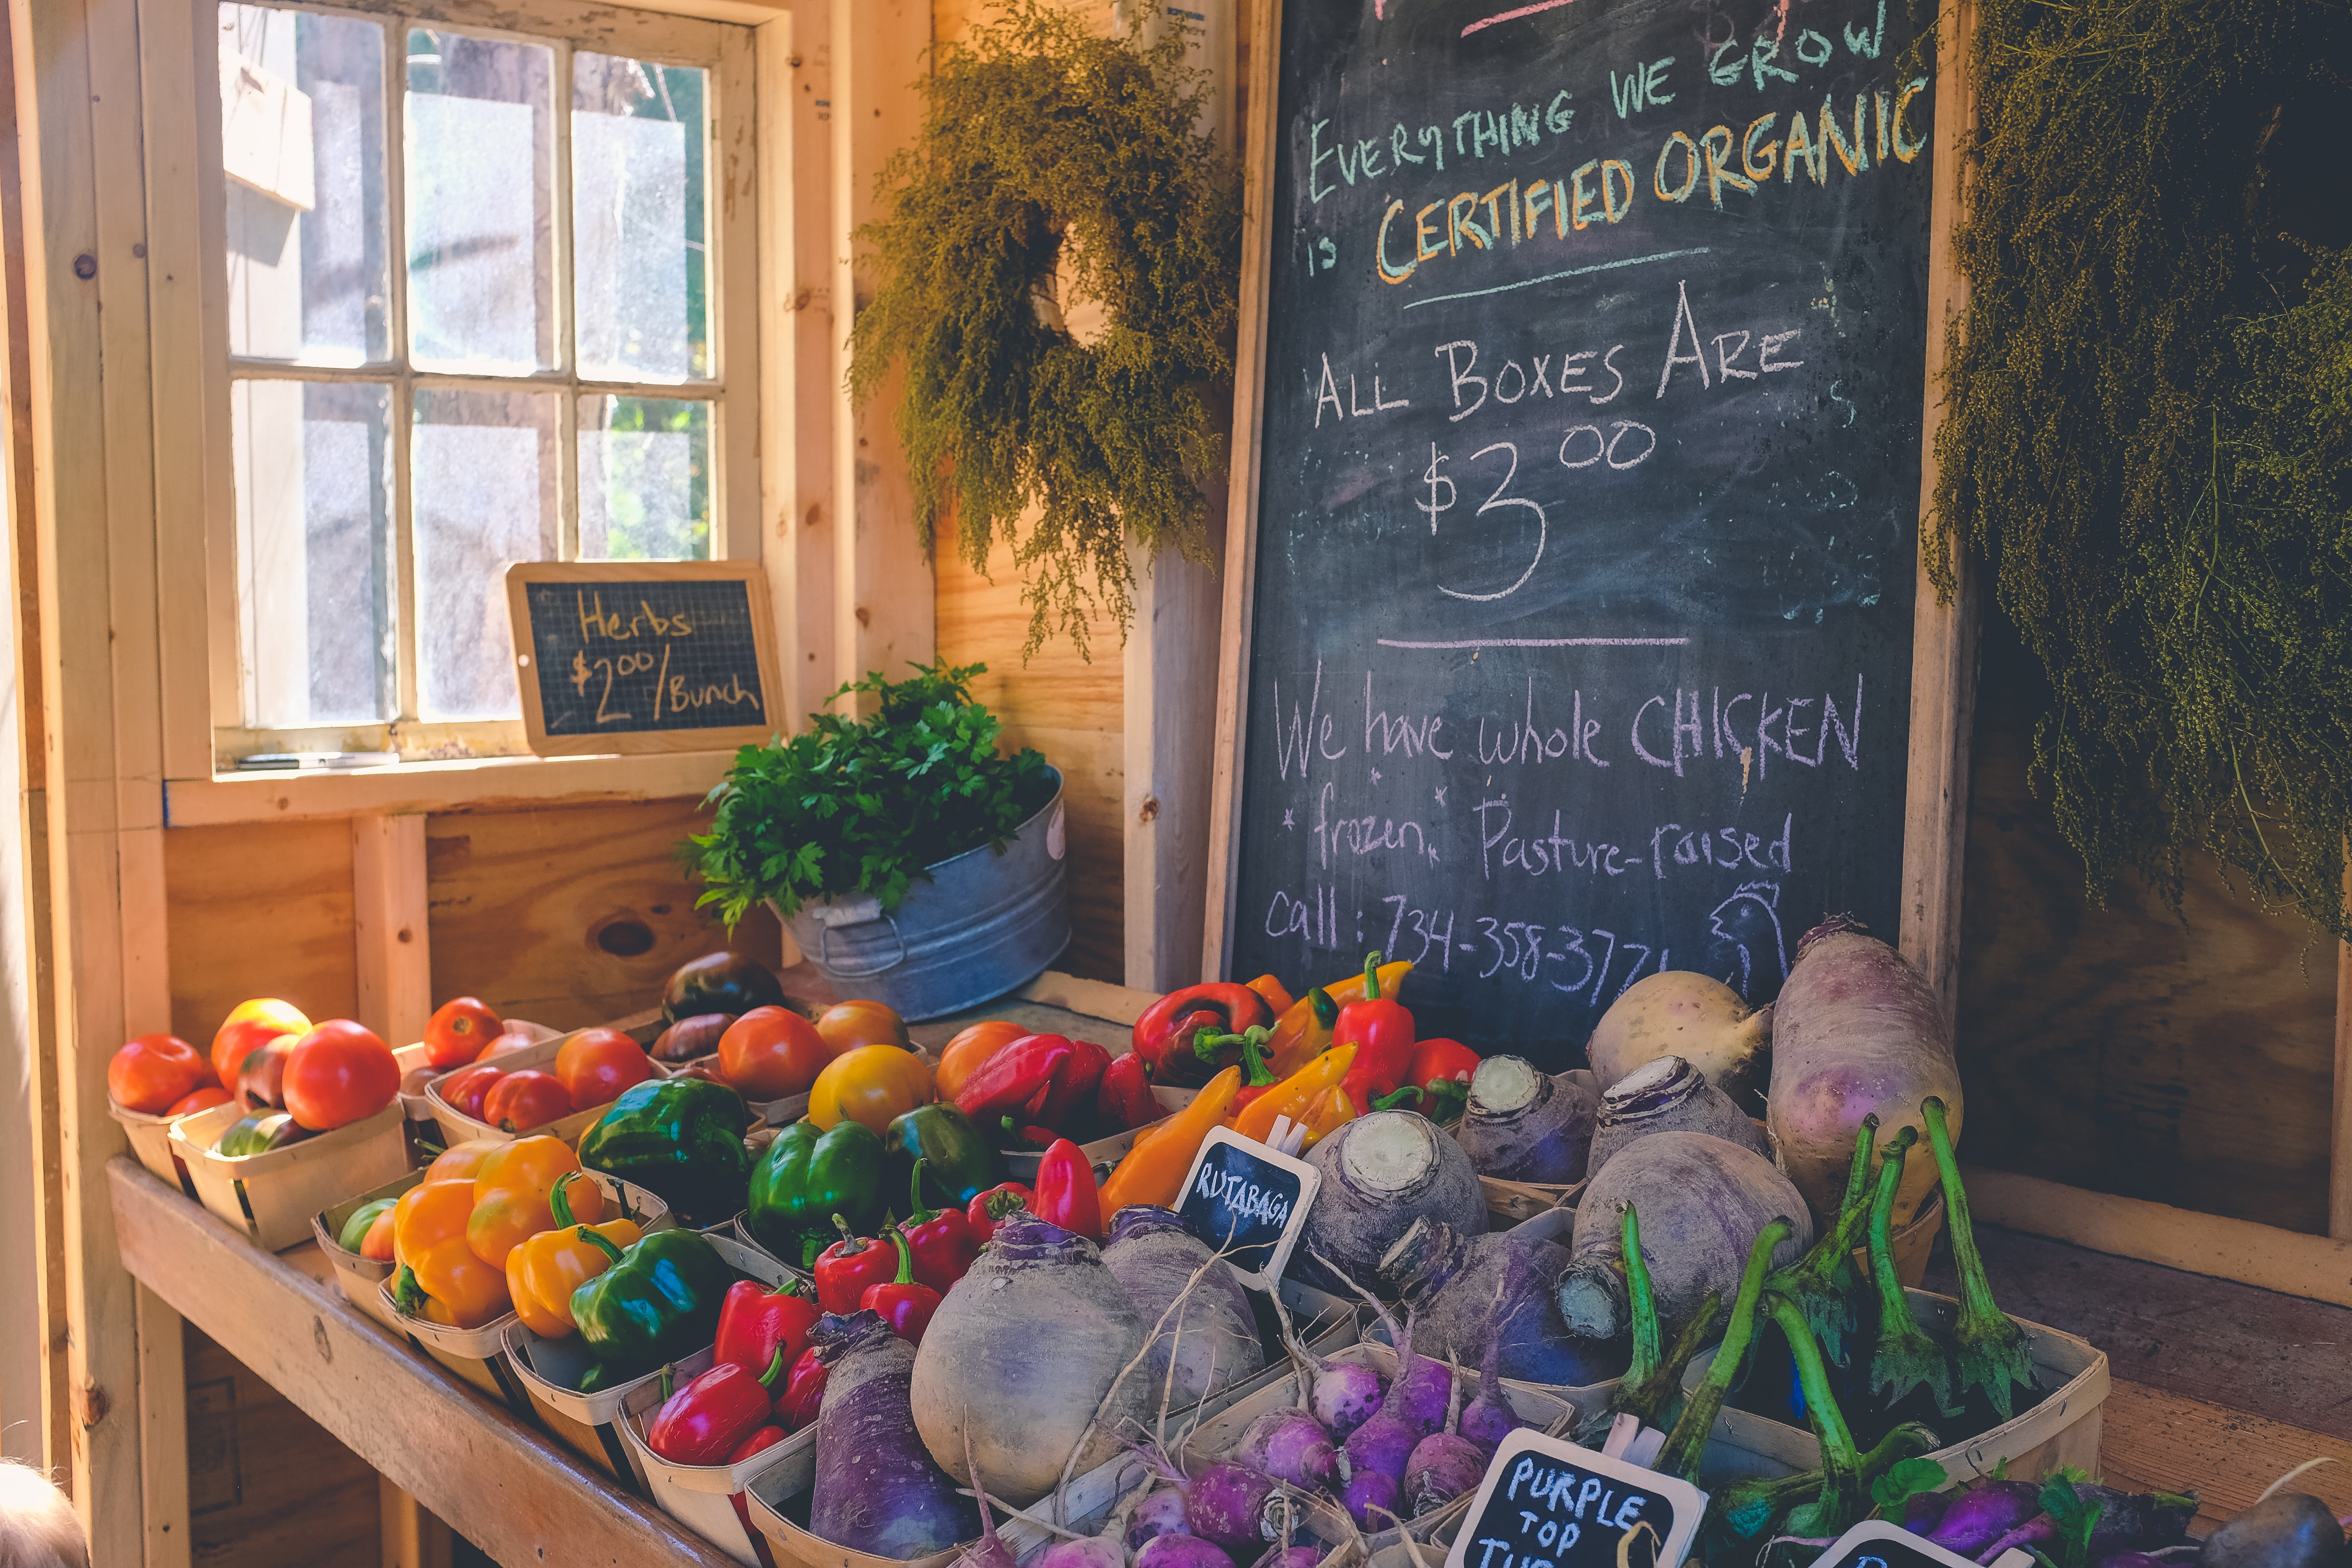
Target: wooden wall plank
269 1487
260 911
391 926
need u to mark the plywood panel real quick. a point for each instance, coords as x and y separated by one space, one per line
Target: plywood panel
2186 1061
260 910
570 915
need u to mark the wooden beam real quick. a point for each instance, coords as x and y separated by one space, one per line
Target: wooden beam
1169 740
164 1432
392 926
492 784
501 1485
2339 1164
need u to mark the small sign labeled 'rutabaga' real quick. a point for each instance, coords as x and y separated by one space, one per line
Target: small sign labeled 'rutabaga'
1547 1503
1249 1203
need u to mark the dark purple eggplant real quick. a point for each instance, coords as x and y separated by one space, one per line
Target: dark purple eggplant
2285 1530
1984 1513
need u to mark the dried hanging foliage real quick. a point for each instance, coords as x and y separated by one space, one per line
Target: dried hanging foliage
2149 423
1053 167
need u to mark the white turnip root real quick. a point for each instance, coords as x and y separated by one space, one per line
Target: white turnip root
1450 1282
1856 1032
1025 1350
1667 1094
1212 1337
1682 1014
1525 1125
1381 1173
877 1490
1703 1203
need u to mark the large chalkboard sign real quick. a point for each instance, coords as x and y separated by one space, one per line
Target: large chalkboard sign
1577 596
642 655
1543 1499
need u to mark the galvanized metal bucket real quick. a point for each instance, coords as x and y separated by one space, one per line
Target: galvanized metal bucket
985 925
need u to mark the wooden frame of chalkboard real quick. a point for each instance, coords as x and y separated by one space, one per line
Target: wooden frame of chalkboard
648 629
1932 809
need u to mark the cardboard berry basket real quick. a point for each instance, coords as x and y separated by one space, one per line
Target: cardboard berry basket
416 1070
151 1143
704 1497
358 1277
589 1424
458 1128
270 1197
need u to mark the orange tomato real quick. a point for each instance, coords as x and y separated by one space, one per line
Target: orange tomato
205 1098
149 1073
846 1026
376 1245
506 1045
871 1085
595 1065
338 1073
770 1053
521 1101
251 1024
462 1162
459 1028
972 1046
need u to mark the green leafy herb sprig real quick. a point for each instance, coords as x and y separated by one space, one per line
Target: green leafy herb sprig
857 806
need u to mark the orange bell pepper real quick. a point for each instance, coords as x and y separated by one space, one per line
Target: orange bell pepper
1153 1170
462 1160
1292 1096
1303 1033
972 1046
872 1084
439 1277
542 1272
513 1196
1277 996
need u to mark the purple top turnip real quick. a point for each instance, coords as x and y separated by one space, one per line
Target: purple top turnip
1293 1447
1213 1335
1450 1282
1181 1552
1525 1125
1489 1418
877 1490
1236 1507
1381 1173
1694 1016
1415 1406
1668 1095
1161 1513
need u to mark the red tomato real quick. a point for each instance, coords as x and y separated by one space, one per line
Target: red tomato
462 1091
521 1101
595 1065
205 1098
151 1072
339 1073
377 1243
846 1026
506 1045
251 1024
771 1052
459 1030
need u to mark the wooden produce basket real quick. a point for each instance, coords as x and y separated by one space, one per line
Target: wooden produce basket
703 1497
151 1143
271 1197
360 1278
416 1071
458 1128
1103 1153
778 1500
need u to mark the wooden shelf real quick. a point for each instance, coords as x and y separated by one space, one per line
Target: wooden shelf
495 1480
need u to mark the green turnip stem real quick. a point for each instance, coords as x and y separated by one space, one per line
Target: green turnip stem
1992 1350
1904 1357
1643 1303
1687 1441
1649 1399
1857 1175
1813 1281
1841 1499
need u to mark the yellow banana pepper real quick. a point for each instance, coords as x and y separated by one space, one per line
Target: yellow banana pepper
1326 1114
1303 1030
543 1271
1290 1097
1153 1170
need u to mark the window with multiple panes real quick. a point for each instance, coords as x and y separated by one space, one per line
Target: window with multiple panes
470 294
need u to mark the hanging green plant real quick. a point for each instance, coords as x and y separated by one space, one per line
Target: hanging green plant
1055 166
2148 424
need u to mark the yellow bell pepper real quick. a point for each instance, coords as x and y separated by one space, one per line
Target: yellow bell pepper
1291 1095
1154 1170
438 1276
462 1160
512 1193
1303 1030
871 1084
1326 1114
543 1271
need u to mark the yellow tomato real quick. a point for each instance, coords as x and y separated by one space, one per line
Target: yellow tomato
870 1085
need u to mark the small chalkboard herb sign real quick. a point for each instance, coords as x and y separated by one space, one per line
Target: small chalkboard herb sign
1248 1201
1547 1503
1875 1543
629 656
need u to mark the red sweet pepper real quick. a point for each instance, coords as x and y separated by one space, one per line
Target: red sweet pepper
1257 1076
1016 1082
702 1422
1124 1101
804 1390
1072 1093
845 1269
766 1437
904 1304
1381 1032
1066 1194
940 1239
756 1325
989 1209
1166 1037
1436 1079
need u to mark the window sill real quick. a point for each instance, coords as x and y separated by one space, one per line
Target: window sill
406 788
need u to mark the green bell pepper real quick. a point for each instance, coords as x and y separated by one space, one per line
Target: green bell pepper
806 1178
658 1302
681 1137
960 1161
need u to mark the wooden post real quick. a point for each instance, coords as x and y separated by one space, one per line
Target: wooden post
411 1537
391 927
162 1431
1169 741
2339 1164
883 610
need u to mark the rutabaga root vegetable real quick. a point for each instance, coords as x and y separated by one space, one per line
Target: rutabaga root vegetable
1668 1094
2285 1530
1525 1125
1212 1336
1293 1447
1369 1494
1449 1280
1682 1014
1181 1552
1855 1030
1381 1173
1703 1201
1025 1349
877 1490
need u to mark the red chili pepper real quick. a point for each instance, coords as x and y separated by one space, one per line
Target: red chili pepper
1124 1101
904 1304
988 1209
1382 1031
766 1437
1437 1078
702 1422
1066 1194
1166 1035
1016 1080
845 1269
1073 1086
756 1325
804 1390
940 1239
1257 1076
